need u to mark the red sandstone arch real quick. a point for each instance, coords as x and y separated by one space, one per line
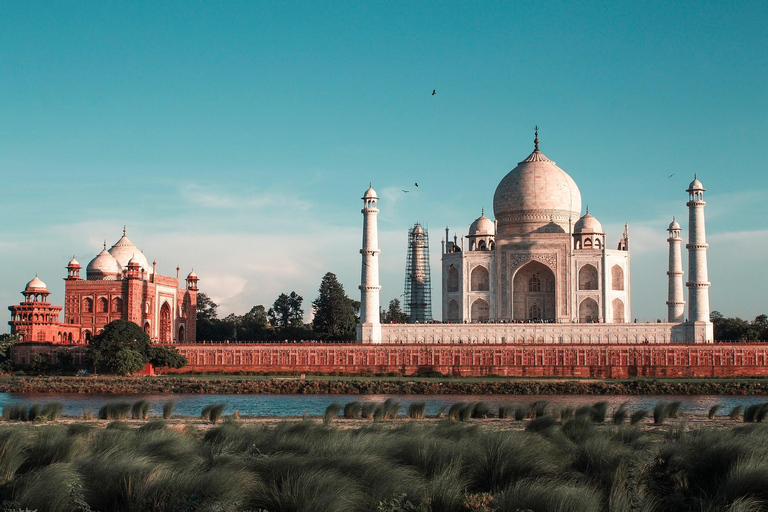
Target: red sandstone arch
181 334
165 323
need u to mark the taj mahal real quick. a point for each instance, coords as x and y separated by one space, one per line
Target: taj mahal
543 272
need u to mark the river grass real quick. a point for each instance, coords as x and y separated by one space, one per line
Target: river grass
552 460
275 384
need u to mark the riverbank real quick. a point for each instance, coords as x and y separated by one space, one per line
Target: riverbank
235 384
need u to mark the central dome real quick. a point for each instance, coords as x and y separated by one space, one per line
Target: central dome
536 193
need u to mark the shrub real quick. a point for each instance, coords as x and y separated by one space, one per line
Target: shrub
539 408
673 408
482 410
660 413
416 410
520 413
736 412
599 411
541 424
750 412
51 411
368 409
15 412
713 411
391 408
505 412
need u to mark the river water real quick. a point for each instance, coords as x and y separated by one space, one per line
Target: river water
298 405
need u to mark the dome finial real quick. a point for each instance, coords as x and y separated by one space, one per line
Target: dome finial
587 209
124 228
536 140
482 212
105 244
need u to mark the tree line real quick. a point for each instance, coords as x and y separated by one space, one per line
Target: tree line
737 329
335 318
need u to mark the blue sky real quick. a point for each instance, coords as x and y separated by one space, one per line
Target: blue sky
237 138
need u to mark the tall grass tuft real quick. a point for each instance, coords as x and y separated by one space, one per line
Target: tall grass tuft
506 411
140 410
539 408
213 412
168 407
713 411
391 408
673 408
660 413
454 410
638 416
735 413
761 413
114 411
34 412
520 413
750 413
620 414
482 410
416 410
599 412
353 410
52 410
566 413
15 412
368 409
331 413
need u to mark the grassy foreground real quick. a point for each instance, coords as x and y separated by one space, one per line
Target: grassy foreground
275 384
577 463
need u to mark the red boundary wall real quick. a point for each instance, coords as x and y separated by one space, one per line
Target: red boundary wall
525 360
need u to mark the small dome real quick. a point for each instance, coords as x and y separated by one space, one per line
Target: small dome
370 193
418 230
674 225
73 263
103 266
588 224
695 185
133 262
482 226
192 275
36 285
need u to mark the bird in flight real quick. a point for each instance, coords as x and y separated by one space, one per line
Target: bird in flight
434 92
406 191
416 184
670 175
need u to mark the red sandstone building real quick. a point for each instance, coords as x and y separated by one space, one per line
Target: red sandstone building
119 285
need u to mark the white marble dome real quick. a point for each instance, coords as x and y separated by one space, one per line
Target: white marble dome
588 224
674 225
103 267
370 193
35 285
124 250
482 226
537 191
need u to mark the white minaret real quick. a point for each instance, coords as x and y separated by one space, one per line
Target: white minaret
698 284
675 299
369 330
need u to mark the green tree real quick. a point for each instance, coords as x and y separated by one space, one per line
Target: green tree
394 314
40 363
253 325
206 308
123 347
6 342
334 312
286 311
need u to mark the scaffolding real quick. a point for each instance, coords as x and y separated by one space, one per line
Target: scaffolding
418 284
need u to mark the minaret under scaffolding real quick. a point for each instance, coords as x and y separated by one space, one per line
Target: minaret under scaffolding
418 285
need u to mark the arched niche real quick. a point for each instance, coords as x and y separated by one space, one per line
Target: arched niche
617 278
165 323
480 311
588 311
453 279
588 278
480 280
533 285
453 311
618 311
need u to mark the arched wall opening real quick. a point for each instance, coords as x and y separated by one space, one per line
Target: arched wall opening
480 280
453 279
165 323
533 292
588 278
588 311
618 311
480 311
617 278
